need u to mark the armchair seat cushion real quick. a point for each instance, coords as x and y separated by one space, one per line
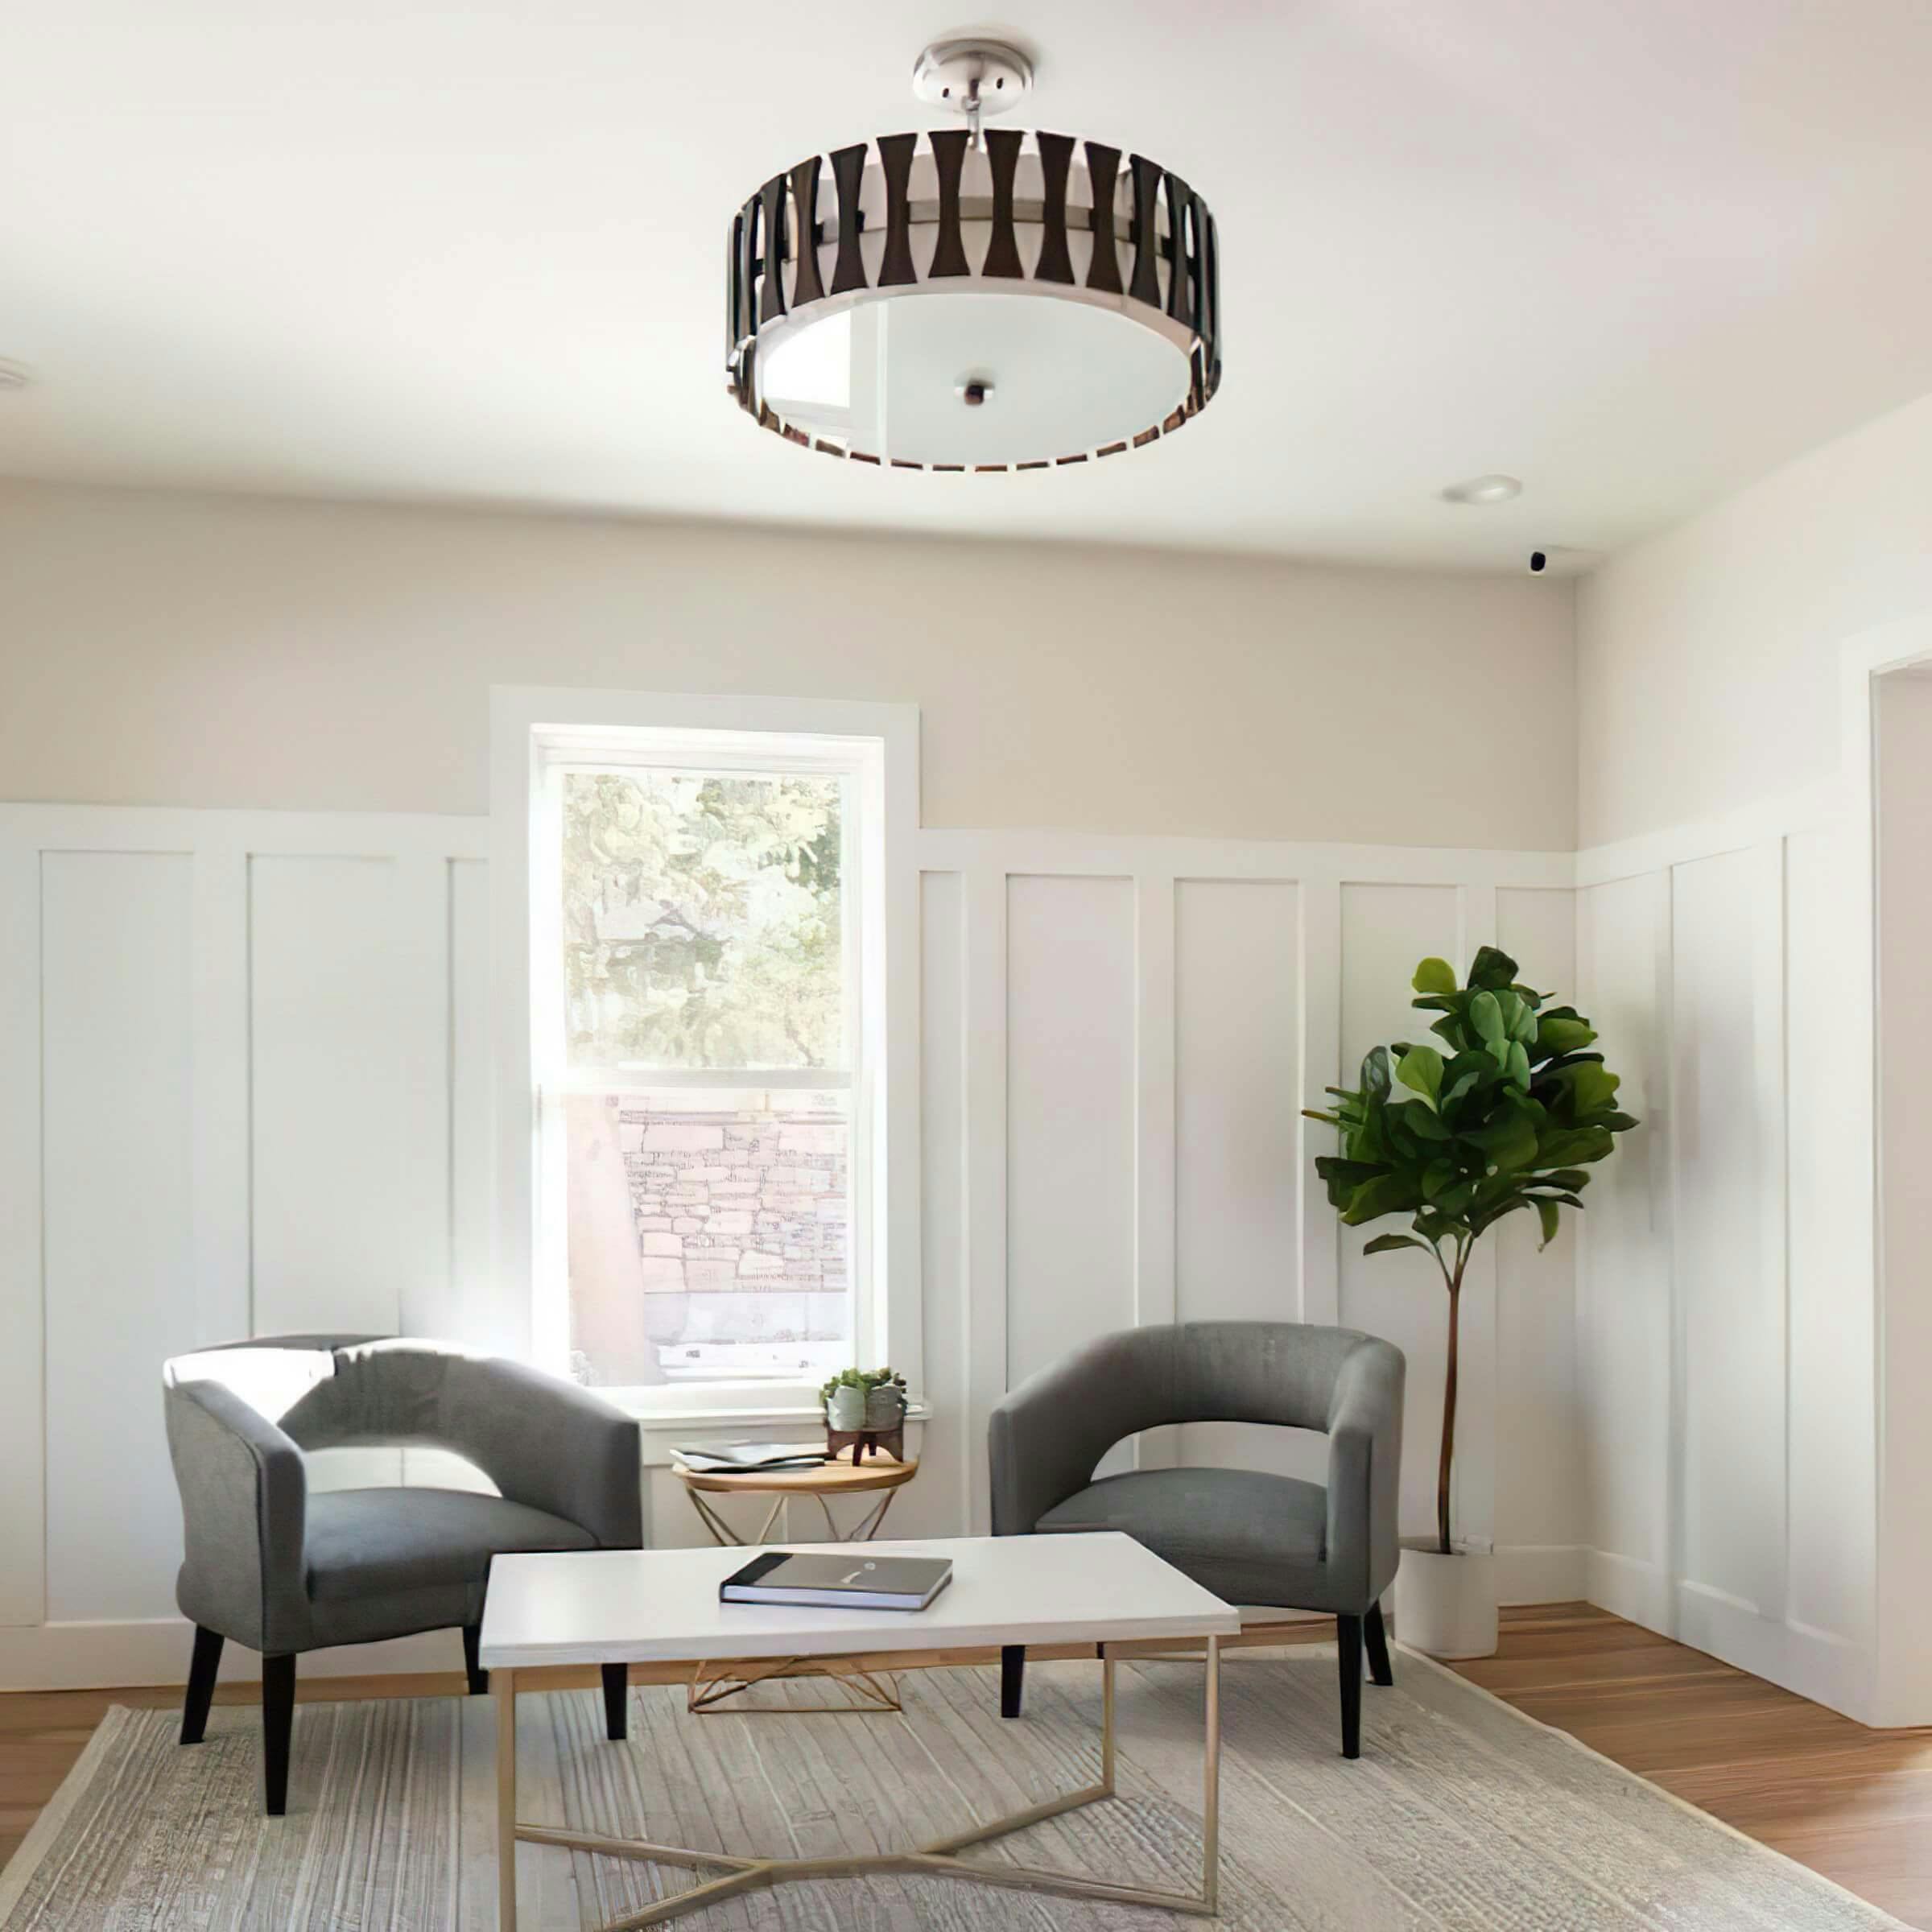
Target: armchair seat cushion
1249 1538
393 1543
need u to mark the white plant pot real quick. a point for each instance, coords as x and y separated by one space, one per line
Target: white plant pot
1445 1606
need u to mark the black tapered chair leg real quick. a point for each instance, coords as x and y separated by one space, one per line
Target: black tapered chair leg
1013 1679
616 1700
277 1722
201 1670
1349 1649
1377 1639
479 1678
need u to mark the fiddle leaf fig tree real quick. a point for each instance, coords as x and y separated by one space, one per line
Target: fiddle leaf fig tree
1502 1118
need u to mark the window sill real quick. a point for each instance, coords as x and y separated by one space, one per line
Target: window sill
661 1426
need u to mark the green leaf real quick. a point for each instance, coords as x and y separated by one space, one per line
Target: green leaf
1573 1179
1387 1243
1386 1193
1434 976
1492 970
1519 1065
1550 1215
1573 1146
1590 1086
1486 1017
1508 1144
1421 1069
1562 1033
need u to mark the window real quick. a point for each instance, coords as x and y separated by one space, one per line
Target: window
705 946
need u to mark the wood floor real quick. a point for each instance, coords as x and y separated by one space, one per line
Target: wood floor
1853 1804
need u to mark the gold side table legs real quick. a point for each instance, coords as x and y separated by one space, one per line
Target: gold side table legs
863 1531
867 1692
941 1857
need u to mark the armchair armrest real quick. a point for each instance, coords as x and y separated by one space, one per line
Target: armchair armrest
1364 1470
1045 1437
550 1444
244 1511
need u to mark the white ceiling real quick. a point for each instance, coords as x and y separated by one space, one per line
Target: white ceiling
1634 254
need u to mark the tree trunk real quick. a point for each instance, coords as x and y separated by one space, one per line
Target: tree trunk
1442 1474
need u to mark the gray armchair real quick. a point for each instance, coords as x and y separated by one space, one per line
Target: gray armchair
1249 1538
283 1572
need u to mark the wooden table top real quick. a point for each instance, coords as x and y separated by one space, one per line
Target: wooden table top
823 1479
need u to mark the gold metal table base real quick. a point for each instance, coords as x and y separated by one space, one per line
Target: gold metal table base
868 1692
941 1857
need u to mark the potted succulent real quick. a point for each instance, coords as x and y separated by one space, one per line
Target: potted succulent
1505 1116
864 1398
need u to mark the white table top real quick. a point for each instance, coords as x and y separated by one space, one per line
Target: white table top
633 1606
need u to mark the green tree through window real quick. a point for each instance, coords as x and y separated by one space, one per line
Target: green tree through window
701 923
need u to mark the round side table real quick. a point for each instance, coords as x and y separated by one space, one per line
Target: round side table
881 1476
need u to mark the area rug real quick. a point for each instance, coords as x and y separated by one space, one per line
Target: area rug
1461 1815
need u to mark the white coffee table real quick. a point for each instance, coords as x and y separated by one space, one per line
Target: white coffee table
640 1606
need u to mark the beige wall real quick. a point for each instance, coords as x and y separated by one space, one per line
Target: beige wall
171 649
1707 658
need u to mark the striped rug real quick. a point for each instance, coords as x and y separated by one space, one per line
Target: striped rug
1462 1815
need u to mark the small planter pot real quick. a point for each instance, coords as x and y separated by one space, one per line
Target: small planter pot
885 1408
1445 1606
845 1409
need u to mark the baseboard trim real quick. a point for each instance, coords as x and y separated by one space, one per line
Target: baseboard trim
1830 1670
119 1656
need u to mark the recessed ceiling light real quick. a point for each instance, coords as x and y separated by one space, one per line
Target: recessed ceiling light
15 375
1494 489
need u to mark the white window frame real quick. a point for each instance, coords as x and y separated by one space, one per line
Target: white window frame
535 734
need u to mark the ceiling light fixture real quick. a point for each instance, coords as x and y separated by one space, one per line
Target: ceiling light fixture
1493 489
881 297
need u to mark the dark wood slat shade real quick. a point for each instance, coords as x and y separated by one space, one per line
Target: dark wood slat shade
735 331
848 172
747 268
1055 263
806 286
1180 300
771 302
1104 173
1003 248
1147 284
949 247
895 162
784 222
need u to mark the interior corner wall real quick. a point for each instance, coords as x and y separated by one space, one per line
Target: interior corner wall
167 650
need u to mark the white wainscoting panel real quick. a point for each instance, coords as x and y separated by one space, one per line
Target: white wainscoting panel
118 1188
1724 1345
1069 1115
1727 1030
1625 1326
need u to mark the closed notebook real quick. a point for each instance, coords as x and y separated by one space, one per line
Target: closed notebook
838 1582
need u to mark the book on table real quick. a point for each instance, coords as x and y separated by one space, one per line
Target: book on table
838 1582
725 1459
